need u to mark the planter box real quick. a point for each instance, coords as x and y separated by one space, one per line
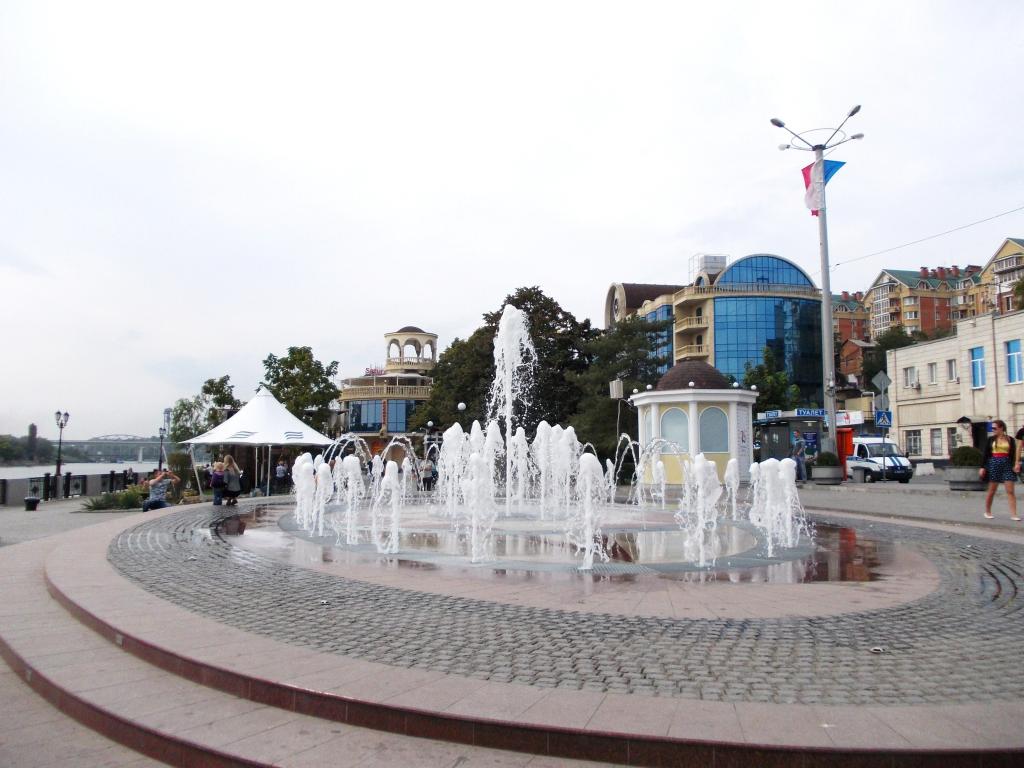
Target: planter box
964 479
827 475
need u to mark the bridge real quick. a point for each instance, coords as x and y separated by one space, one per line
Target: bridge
123 447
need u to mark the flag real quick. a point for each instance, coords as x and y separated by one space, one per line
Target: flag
813 182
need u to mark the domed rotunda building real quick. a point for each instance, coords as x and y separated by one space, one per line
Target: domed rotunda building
694 409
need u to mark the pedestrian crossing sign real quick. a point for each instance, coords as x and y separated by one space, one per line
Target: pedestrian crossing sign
883 419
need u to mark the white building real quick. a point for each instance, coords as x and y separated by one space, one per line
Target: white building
945 392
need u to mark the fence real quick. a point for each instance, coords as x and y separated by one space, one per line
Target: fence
14 492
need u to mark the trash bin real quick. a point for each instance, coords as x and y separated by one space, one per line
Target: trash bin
31 502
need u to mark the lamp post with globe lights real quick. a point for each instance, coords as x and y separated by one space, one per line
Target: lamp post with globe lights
818 179
62 421
160 458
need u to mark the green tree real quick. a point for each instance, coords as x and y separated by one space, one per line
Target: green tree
303 385
1018 294
874 359
774 390
620 352
194 416
465 370
9 448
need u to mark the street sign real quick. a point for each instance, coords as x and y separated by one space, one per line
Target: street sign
882 402
772 414
811 412
881 380
883 419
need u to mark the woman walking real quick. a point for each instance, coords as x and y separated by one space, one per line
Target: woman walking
232 481
1000 464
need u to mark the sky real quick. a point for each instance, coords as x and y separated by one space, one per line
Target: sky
187 187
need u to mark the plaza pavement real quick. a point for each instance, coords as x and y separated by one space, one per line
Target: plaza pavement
273 696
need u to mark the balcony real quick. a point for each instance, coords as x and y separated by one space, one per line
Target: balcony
409 363
384 392
693 350
691 323
702 292
1008 263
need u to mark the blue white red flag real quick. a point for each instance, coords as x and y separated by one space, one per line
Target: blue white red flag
815 179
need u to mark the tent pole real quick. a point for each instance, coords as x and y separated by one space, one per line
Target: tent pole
269 457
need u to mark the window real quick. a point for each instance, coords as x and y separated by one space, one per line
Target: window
951 439
936 435
1014 374
399 412
675 427
910 301
933 373
910 315
912 439
910 377
977 367
951 370
714 431
364 415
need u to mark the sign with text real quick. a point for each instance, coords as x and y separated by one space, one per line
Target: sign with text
817 412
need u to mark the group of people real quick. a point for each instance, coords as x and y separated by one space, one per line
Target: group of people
226 482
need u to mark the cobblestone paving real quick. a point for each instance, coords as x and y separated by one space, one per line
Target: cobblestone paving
957 644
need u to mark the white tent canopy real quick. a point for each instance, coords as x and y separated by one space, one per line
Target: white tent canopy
261 421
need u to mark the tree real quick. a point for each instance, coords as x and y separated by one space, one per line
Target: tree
1018 294
303 385
199 414
774 391
874 359
620 352
465 370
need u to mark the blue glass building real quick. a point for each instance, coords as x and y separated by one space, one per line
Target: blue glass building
729 314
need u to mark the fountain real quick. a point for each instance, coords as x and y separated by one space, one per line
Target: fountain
508 499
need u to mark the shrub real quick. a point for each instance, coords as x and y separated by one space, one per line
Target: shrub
826 459
966 456
130 498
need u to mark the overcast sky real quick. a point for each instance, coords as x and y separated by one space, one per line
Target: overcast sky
188 187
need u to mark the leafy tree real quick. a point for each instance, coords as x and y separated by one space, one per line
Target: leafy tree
199 414
874 359
462 374
620 352
465 370
303 385
1018 294
9 448
774 391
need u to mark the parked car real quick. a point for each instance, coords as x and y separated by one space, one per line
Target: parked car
874 457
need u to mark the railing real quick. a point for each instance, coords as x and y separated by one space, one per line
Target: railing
774 289
685 323
384 391
694 350
398 362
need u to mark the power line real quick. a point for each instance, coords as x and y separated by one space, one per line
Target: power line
930 237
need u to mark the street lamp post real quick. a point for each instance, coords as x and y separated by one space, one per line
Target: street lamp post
828 373
62 421
160 458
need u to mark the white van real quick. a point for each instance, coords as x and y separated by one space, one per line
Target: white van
873 456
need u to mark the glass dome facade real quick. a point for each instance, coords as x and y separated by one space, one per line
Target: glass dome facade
790 327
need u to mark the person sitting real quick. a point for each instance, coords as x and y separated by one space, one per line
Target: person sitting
158 486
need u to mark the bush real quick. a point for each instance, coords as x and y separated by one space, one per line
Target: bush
130 498
826 459
966 456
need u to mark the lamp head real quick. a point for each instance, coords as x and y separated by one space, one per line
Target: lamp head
857 136
854 111
461 406
778 123
784 147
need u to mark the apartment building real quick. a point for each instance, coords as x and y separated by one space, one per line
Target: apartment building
946 392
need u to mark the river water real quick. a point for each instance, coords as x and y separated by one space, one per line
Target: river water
97 468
